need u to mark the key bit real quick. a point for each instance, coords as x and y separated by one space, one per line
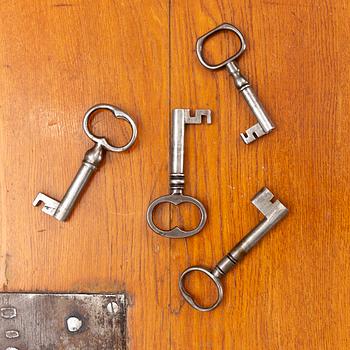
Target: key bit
50 204
263 202
198 116
252 133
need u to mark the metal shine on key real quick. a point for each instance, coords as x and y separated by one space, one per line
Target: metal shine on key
264 125
180 118
274 212
92 159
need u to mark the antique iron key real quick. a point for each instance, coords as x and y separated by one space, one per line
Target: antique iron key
264 125
273 212
92 159
180 117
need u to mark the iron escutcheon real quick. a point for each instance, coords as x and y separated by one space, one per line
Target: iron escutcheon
63 321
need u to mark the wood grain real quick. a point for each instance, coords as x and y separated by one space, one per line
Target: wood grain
59 58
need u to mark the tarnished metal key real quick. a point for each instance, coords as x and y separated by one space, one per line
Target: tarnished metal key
273 212
92 159
264 125
180 117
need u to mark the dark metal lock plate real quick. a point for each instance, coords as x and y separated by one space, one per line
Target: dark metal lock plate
63 321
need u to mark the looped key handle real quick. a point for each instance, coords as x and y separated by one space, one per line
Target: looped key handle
203 38
119 114
189 298
176 199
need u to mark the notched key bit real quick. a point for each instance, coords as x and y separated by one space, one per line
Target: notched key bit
50 204
263 202
199 114
252 133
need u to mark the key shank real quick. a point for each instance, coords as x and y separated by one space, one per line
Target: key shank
92 160
181 117
251 98
248 242
177 149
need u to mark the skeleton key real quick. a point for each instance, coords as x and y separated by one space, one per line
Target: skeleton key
273 212
180 117
264 125
92 159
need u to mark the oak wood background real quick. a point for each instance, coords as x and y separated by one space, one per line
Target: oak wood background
57 58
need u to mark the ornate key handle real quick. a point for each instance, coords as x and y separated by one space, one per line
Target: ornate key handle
176 199
119 114
180 117
91 161
273 212
264 125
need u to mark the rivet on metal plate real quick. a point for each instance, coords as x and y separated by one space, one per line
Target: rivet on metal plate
74 324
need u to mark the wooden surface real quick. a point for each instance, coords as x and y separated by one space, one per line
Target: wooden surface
58 58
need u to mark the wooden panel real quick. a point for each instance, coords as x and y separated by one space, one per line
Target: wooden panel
59 58
291 291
